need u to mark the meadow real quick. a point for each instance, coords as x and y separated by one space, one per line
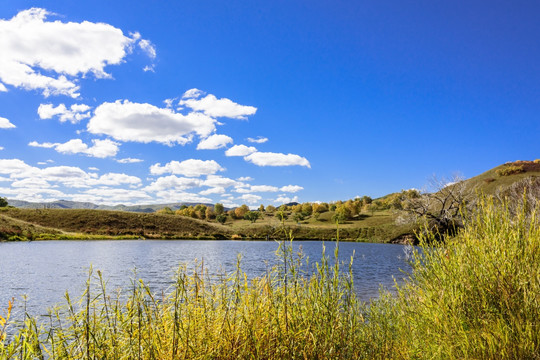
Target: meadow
475 296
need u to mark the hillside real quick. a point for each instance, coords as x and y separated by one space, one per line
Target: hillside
503 176
375 223
108 223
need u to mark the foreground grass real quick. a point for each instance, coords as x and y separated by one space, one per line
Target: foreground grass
476 297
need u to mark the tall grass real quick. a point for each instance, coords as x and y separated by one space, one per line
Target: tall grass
478 296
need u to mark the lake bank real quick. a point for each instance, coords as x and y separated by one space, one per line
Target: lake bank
72 224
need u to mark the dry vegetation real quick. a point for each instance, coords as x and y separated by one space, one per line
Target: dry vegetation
478 297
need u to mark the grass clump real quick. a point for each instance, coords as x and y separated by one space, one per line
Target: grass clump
477 296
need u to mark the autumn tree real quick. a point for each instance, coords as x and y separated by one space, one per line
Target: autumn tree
270 209
209 213
240 211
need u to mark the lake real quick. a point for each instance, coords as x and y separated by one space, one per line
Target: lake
44 270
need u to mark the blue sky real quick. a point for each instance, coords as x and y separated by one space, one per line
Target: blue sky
147 102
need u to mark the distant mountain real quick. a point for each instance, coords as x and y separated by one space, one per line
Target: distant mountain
66 204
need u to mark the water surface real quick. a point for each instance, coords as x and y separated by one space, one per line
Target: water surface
43 271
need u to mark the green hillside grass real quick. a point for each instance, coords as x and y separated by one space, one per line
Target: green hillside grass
115 223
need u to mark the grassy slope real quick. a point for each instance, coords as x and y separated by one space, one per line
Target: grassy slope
490 181
115 223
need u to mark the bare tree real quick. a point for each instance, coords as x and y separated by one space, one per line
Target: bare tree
440 206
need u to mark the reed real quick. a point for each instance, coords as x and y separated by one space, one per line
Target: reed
477 296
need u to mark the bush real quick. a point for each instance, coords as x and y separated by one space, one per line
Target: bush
510 170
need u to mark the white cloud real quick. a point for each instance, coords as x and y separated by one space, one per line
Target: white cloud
291 188
93 168
129 160
100 149
257 188
74 114
277 159
258 140
250 198
112 196
32 47
1 148
5 124
240 150
219 181
190 168
283 199
115 179
175 196
127 121
173 182
214 190
245 178
148 48
212 106
214 142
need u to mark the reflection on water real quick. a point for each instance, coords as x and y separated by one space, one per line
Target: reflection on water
45 270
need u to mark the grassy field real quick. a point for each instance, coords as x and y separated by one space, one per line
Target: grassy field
476 297
35 224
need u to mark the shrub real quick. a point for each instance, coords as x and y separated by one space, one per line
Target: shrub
510 170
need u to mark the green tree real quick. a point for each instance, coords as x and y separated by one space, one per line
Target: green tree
298 216
3 202
261 208
282 215
221 218
252 216
270 209
219 209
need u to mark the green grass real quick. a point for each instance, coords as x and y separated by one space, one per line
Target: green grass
476 297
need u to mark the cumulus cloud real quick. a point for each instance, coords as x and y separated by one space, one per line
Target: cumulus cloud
176 196
5 124
127 121
257 140
283 199
277 159
219 181
291 188
49 55
100 149
115 179
250 198
173 182
189 168
129 160
257 188
214 107
214 142
214 190
74 114
240 150
245 178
